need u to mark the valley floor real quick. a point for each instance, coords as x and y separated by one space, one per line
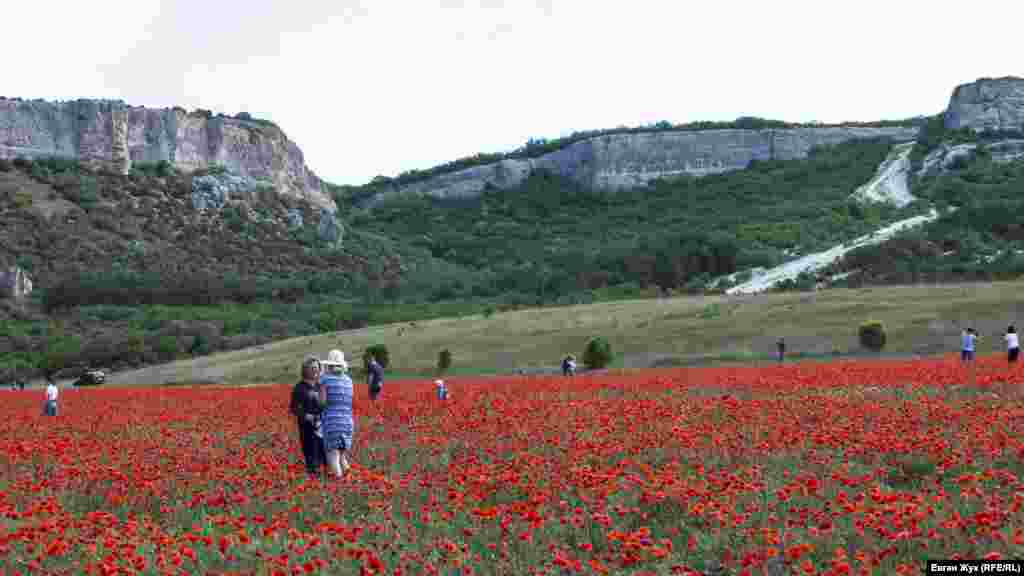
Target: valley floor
919 320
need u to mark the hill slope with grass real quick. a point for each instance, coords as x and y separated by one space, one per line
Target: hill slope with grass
130 270
682 331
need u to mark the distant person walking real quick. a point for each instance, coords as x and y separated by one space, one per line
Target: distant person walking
375 378
306 407
780 348
968 343
569 365
339 425
1012 345
50 407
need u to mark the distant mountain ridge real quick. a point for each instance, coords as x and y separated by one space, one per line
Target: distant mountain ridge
628 158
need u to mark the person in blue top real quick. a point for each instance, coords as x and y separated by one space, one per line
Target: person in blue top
968 341
338 423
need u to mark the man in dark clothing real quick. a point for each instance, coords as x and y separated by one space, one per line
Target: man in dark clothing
375 373
781 345
305 406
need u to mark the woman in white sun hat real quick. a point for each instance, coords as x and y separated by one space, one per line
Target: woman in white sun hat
338 424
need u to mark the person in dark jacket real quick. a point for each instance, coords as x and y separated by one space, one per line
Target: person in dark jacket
781 348
306 407
375 373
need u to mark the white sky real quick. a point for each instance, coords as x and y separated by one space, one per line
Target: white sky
382 86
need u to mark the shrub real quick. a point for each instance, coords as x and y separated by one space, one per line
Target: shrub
872 335
598 353
378 351
444 361
167 347
22 199
200 345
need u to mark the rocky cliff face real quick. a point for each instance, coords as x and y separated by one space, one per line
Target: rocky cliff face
113 135
990 104
623 161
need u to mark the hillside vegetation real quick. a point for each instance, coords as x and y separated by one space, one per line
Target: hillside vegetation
552 238
983 239
654 332
128 274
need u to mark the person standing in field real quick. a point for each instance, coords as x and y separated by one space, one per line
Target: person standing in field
375 376
569 365
306 407
50 407
442 389
968 342
339 425
781 349
1012 345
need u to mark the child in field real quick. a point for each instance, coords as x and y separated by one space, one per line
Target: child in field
442 389
1012 344
339 425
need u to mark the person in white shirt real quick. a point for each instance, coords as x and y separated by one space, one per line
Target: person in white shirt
1012 344
50 408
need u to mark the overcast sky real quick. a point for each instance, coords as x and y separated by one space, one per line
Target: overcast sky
382 86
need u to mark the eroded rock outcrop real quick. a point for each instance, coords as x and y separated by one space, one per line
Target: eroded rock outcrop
989 104
113 135
623 161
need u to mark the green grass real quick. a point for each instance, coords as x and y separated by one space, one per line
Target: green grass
643 333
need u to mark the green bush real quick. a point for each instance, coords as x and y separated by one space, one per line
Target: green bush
872 335
378 351
200 345
598 354
167 347
444 361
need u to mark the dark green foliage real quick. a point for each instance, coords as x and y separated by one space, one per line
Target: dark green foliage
245 116
126 288
444 361
378 351
597 354
872 335
200 345
167 347
550 238
982 240
161 169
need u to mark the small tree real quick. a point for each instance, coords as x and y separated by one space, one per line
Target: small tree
378 351
872 335
444 361
200 345
597 354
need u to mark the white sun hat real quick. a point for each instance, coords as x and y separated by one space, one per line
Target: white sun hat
335 358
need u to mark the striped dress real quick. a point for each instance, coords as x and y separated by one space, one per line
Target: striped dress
337 421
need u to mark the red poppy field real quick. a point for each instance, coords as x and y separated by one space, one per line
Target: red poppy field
860 467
